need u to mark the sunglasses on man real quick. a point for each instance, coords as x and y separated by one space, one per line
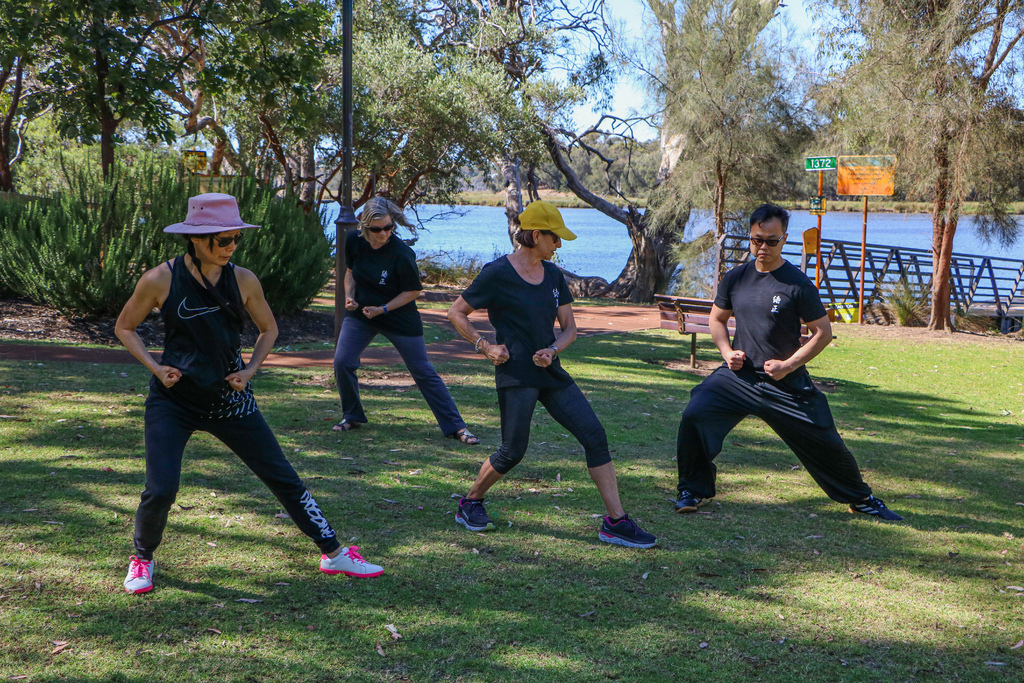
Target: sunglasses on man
225 241
383 228
757 241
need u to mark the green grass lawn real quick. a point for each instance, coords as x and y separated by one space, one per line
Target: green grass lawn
773 582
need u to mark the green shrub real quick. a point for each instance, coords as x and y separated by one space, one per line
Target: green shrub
82 251
908 302
290 253
445 268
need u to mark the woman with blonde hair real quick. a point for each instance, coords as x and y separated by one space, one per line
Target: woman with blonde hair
382 283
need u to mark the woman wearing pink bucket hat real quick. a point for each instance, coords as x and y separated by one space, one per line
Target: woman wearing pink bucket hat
201 382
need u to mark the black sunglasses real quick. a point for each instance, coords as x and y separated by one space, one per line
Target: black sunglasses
757 241
551 235
382 228
225 241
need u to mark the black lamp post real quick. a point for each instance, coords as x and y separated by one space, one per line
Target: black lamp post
346 221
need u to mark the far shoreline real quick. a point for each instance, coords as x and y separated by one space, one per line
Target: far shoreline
567 200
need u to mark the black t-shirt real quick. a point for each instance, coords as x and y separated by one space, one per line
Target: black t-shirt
381 275
524 316
768 308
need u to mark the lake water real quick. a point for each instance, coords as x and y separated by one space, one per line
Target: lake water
602 245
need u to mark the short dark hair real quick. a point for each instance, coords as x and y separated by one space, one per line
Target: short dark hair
766 212
525 237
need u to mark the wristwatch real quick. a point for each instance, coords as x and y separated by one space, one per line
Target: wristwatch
554 348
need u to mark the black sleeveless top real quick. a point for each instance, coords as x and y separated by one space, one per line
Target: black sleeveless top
204 343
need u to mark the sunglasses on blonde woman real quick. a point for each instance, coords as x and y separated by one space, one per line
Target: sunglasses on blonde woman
381 229
225 241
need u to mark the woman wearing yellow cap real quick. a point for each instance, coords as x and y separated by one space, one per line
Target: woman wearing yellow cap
524 293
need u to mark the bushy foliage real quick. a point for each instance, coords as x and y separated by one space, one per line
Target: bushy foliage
290 253
82 250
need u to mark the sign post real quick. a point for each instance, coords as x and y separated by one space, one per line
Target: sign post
867 176
819 164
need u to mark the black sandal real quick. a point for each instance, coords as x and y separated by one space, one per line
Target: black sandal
346 426
465 436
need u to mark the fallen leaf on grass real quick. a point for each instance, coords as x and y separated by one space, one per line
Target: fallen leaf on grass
1015 588
475 551
141 651
816 536
211 544
388 462
106 469
996 663
57 523
282 515
31 510
60 646
248 600
213 630
394 631
282 583
310 627
646 574
703 646
795 467
186 507
389 501
1019 644
587 614
738 444
221 605
18 677
380 650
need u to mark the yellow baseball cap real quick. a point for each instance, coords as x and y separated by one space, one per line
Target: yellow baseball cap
542 215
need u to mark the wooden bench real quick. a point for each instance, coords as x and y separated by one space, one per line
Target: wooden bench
690 316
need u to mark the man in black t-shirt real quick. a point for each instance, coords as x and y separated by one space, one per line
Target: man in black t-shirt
764 374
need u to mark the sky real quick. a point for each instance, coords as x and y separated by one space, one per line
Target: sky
629 96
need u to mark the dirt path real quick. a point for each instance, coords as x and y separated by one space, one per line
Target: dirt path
590 320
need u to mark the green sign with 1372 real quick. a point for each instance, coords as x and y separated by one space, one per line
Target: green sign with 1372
821 164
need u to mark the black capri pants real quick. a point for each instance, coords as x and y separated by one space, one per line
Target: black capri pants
793 408
567 405
168 429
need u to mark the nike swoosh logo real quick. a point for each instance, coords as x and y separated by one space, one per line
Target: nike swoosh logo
195 312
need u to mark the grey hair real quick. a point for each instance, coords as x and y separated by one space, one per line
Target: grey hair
381 207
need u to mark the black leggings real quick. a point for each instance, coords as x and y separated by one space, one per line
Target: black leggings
168 428
567 405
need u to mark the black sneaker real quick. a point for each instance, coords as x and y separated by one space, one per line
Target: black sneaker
625 532
875 507
471 514
688 502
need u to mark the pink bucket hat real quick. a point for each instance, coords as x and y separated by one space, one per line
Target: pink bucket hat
209 213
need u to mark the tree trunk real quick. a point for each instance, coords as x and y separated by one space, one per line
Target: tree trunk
6 175
720 186
651 261
107 120
943 231
307 194
513 195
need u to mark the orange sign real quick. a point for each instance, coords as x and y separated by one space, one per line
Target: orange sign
866 175
810 241
194 160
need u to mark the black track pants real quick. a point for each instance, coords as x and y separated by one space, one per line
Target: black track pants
168 428
793 408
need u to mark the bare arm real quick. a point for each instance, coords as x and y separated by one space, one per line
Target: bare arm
821 336
256 303
350 291
402 299
150 292
458 316
567 323
718 322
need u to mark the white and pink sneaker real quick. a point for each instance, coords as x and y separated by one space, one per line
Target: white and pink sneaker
140 576
350 563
